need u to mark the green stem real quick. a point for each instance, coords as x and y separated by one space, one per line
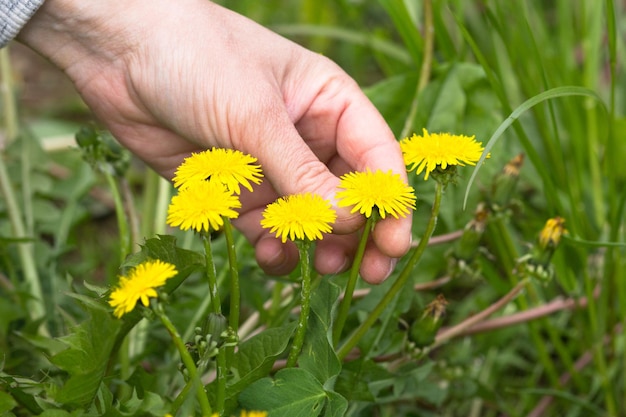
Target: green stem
217 309
9 106
305 300
148 206
344 307
211 274
597 334
164 195
507 253
35 304
235 292
220 397
427 59
122 221
187 361
400 281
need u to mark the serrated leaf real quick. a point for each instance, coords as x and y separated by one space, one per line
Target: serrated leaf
86 358
150 404
336 406
256 356
293 392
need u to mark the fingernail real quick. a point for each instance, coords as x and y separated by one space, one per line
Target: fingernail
277 260
392 266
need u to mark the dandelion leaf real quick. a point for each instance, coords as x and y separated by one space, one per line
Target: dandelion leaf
86 358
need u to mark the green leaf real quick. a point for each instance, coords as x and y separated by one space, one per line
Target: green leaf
353 382
406 27
392 97
256 356
55 413
86 358
361 38
293 392
7 403
149 404
336 406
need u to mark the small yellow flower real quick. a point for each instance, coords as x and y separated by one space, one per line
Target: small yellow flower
429 151
230 167
140 284
201 205
299 216
386 191
245 413
551 233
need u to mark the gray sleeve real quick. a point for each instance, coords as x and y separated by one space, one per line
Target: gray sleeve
13 16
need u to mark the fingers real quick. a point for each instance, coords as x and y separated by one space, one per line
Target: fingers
363 140
376 266
292 165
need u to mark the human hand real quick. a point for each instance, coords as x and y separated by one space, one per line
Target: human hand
171 78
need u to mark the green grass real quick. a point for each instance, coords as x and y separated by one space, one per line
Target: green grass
555 67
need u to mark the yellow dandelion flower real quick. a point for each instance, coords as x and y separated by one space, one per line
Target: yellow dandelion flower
551 233
299 216
366 190
245 413
140 284
200 206
230 167
432 150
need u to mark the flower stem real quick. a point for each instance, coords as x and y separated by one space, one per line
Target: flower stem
122 221
305 300
217 309
187 361
400 281
220 397
344 307
233 317
211 274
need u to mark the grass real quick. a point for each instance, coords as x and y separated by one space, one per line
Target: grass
555 348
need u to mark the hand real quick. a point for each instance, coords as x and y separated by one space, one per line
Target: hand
169 78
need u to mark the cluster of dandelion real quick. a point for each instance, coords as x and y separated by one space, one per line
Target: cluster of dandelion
208 188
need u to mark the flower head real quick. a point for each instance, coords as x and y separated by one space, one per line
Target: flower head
429 151
245 413
140 284
551 233
230 167
299 216
253 413
201 205
385 191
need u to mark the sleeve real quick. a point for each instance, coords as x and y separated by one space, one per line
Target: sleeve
13 16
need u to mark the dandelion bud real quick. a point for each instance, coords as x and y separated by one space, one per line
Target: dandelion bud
424 330
505 182
550 235
216 324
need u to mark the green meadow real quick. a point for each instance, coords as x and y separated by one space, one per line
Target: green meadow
512 301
